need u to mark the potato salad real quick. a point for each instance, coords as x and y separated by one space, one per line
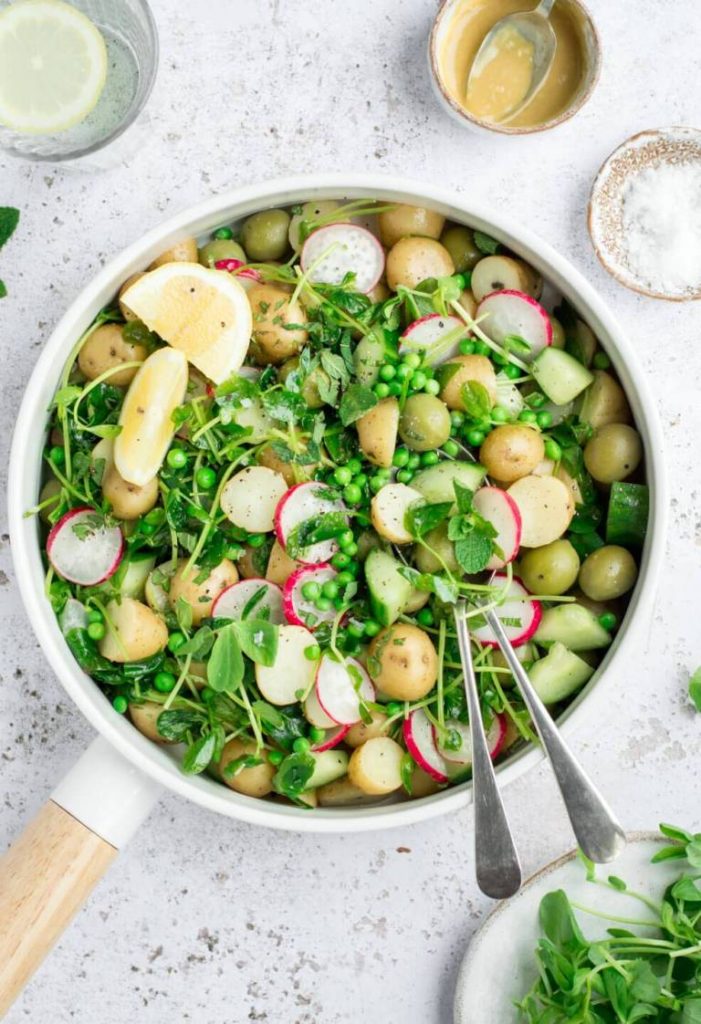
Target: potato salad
283 453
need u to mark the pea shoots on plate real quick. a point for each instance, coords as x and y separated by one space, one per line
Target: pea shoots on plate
278 459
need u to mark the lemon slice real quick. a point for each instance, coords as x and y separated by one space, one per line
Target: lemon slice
53 66
203 313
146 417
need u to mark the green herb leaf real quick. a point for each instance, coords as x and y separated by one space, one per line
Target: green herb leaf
258 639
695 689
292 776
183 613
473 552
176 725
558 921
420 519
225 667
476 400
199 645
239 763
199 754
463 497
9 219
356 401
3 289
315 529
406 771
485 243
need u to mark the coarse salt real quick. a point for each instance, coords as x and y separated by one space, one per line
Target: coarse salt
662 227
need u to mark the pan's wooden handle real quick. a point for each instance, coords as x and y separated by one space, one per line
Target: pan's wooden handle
45 876
51 869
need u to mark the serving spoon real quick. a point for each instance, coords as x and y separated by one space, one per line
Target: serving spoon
535 28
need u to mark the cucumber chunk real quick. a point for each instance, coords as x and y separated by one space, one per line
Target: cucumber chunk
436 482
559 674
329 766
389 591
574 626
629 507
560 376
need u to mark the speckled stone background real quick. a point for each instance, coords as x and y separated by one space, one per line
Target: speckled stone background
206 920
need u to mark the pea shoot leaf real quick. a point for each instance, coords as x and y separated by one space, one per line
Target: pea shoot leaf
9 219
695 689
292 776
176 725
431 583
258 640
239 763
225 667
199 754
356 401
289 725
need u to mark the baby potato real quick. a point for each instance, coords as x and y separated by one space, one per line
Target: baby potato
342 793
273 341
424 423
182 252
377 432
361 732
437 540
106 350
255 781
468 302
412 260
221 249
460 243
145 718
403 221
51 490
379 293
264 235
511 451
546 508
461 369
607 573
267 457
128 501
375 767
558 333
495 273
280 565
310 213
422 784
246 564
551 569
613 453
249 499
388 511
123 308
134 632
200 596
405 662
415 602
604 402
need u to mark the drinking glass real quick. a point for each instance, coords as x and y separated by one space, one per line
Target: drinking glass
131 38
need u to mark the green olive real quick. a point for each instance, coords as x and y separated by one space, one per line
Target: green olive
607 573
460 243
221 249
310 386
437 540
551 569
424 423
264 235
613 453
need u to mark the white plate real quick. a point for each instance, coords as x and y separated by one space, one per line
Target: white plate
500 965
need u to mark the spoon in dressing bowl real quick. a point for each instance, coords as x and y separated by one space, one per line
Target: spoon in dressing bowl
511 64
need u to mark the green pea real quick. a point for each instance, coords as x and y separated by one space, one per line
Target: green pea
512 371
381 389
355 466
342 475
400 458
498 359
404 371
223 233
601 361
457 419
96 630
376 484
316 735
354 567
424 617
344 578
536 399
474 437
164 682
405 476
418 380
393 708
352 494
120 704
340 560
312 652
432 387
206 478
451 448
352 550
414 461
311 590
177 458
346 540
175 641
412 360
553 450
528 416
356 629
544 419
301 745
275 757
466 347
395 388
608 620
429 458
360 479
330 589
94 615
388 372
372 628
499 414
482 348
57 455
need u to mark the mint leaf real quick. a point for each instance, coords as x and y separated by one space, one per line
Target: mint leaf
695 689
476 400
463 497
473 552
356 401
421 519
9 219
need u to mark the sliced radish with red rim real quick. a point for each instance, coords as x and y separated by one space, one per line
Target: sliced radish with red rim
299 610
251 599
519 615
332 252
301 503
83 548
246 276
315 714
332 738
502 512
436 335
341 688
421 744
463 755
514 313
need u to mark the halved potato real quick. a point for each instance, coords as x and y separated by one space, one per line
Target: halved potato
377 432
375 767
546 506
388 510
250 497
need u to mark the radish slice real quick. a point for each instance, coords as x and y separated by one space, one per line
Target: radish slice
298 610
438 336
421 744
73 616
314 713
340 688
251 599
83 549
292 672
332 738
339 249
495 740
511 312
520 615
502 512
247 277
302 502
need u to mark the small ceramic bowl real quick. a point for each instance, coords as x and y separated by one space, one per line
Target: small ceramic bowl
591 49
648 149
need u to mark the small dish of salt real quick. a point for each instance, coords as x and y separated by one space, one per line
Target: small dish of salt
645 214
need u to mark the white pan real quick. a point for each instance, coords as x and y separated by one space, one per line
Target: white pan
105 797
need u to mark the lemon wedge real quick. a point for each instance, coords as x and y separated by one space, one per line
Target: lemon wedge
53 66
146 417
203 313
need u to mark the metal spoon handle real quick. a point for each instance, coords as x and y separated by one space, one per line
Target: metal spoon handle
497 865
598 832
544 8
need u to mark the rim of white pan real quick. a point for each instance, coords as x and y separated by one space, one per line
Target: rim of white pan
25 470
